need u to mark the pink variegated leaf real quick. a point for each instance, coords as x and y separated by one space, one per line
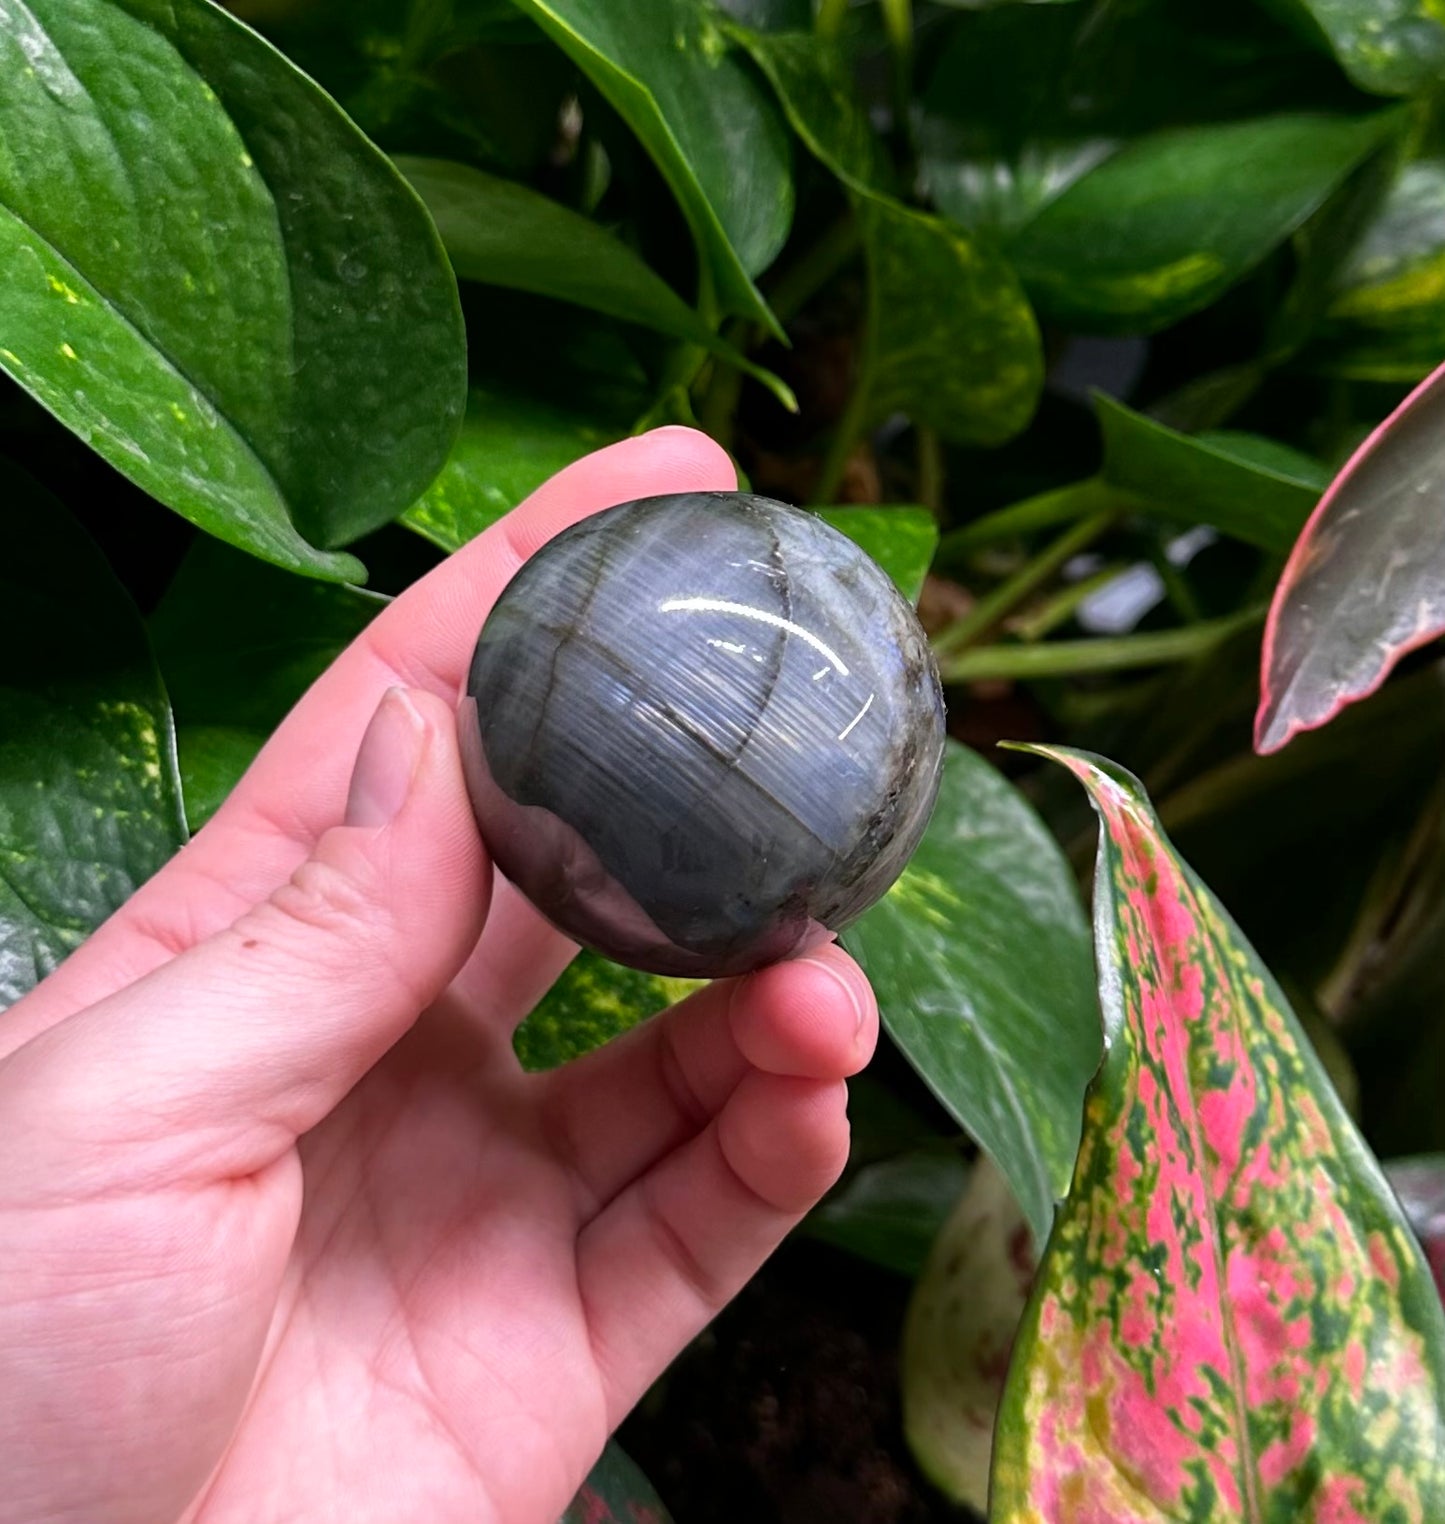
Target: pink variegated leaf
1365 583
1232 1320
616 1492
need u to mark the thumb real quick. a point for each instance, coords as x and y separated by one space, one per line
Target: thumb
222 1057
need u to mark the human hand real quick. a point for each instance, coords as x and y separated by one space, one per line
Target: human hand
285 1232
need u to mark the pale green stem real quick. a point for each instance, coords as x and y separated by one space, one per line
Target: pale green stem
1007 596
1119 653
1059 506
840 446
1065 604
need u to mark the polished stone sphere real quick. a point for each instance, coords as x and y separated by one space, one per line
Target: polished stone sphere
702 732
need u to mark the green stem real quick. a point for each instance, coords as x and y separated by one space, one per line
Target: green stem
1176 586
1066 658
831 14
1007 596
930 469
813 269
1063 504
1065 604
840 446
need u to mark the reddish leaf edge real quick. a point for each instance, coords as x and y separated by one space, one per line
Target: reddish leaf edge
1265 715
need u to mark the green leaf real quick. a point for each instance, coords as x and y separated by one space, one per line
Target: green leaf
666 68
1365 583
1023 100
1254 489
1386 319
509 445
616 1492
594 1001
230 293
900 540
1232 1320
1393 47
890 1212
504 234
1188 212
239 643
951 340
90 802
980 957
960 1329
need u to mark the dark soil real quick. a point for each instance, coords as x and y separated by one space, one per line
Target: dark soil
786 1411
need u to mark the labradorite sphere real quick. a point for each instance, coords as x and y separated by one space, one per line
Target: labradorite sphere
702 732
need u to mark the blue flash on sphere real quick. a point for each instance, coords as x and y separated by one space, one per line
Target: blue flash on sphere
702 732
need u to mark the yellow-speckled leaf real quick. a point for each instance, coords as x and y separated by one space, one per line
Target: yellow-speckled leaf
1232 1321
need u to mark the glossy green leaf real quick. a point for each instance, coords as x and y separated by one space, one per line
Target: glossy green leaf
667 69
1023 100
238 643
890 1212
90 801
980 957
960 1329
509 445
1393 47
901 540
1386 320
616 1492
1365 583
1189 212
1254 489
594 1001
230 293
504 234
950 338
1232 1320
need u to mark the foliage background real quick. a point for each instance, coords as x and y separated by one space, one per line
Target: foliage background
1068 311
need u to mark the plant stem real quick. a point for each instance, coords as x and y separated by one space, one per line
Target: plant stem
1010 593
1176 586
1064 658
831 14
1093 495
1065 604
930 469
840 446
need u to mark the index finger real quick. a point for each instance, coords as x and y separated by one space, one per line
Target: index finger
296 787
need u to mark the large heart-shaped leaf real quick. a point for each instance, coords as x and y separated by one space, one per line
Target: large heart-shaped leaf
504 234
1254 489
1393 47
90 801
980 957
509 445
215 280
666 68
1189 212
238 643
616 1492
1232 1320
960 1329
1366 581
950 338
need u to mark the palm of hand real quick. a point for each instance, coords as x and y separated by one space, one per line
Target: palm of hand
283 1250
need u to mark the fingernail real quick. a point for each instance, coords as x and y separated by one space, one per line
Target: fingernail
387 761
847 987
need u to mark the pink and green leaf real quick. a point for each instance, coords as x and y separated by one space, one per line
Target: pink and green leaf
1365 583
616 1492
1232 1320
